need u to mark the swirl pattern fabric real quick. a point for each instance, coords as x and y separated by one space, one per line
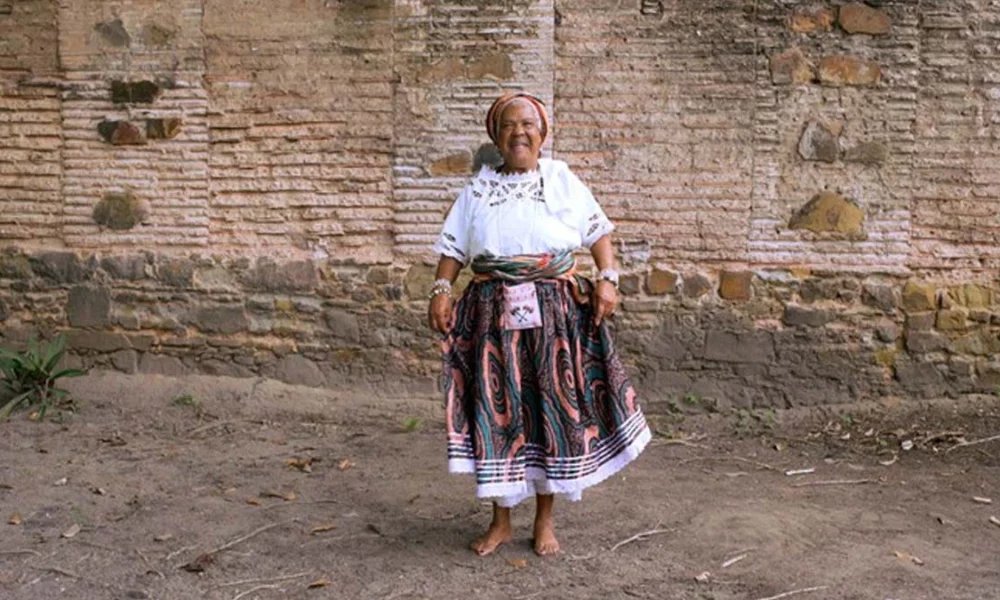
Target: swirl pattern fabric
544 410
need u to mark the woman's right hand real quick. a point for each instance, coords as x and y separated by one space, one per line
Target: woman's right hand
439 313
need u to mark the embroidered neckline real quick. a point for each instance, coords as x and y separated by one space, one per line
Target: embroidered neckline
489 173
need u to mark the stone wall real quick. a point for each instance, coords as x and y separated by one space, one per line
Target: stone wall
806 192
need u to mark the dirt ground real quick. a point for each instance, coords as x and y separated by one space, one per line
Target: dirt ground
225 489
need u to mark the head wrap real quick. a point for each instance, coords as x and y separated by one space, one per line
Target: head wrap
503 102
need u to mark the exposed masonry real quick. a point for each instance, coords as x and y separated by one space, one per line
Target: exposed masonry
750 152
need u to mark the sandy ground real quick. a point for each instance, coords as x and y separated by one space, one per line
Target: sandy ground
225 489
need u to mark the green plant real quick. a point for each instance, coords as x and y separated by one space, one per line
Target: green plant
30 377
186 400
411 424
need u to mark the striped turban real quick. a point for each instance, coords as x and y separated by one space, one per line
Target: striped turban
503 102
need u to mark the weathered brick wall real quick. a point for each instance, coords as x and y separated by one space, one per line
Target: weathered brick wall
805 191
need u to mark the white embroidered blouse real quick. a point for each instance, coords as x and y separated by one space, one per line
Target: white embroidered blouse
540 212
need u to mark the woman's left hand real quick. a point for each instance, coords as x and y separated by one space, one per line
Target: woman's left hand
604 301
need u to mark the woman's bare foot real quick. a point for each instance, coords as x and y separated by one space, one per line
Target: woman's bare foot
499 533
546 543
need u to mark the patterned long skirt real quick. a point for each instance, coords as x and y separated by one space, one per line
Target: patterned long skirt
536 411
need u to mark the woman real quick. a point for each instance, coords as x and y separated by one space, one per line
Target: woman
538 401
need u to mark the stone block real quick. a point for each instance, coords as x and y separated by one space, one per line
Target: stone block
121 211
157 35
130 267
919 297
819 143
343 325
378 275
456 164
159 364
736 285
661 282
848 71
980 315
121 133
887 331
114 33
810 19
419 280
298 370
829 212
99 341
176 272
141 341
802 316
294 276
163 129
882 296
855 17
630 284
220 368
226 320
961 367
951 320
696 285
925 341
974 344
126 361
867 153
4 310
791 67
15 266
61 267
134 92
920 378
977 296
988 374
89 306
748 347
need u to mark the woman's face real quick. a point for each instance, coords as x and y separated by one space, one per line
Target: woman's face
520 139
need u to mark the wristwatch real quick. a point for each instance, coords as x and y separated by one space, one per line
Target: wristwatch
609 275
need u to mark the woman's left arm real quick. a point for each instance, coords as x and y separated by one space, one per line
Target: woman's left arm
605 298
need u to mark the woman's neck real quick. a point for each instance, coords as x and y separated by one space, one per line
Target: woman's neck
510 170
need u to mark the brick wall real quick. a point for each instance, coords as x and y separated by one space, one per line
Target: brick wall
805 191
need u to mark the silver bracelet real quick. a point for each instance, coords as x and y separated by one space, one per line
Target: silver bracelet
441 286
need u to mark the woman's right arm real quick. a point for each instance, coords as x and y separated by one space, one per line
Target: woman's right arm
440 310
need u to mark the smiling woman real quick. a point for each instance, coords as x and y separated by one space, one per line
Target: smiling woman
538 401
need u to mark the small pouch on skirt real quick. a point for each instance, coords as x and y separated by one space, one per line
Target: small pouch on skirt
520 307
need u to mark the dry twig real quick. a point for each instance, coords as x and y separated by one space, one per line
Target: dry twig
736 458
833 482
242 538
264 580
992 438
796 592
180 551
59 570
254 589
635 538
3 552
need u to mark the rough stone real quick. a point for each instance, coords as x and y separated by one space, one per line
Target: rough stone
925 341
887 331
736 285
60 267
848 70
811 19
298 370
222 319
176 272
882 296
343 325
121 211
4 311
157 35
99 341
867 153
630 284
799 316
114 33
696 285
121 133
130 267
419 280
163 129
661 282
919 297
749 347
459 163
980 315
829 212
487 155
818 143
494 65
988 374
951 320
15 266
856 17
134 92
791 67
961 367
220 368
159 364
294 276
378 275
977 296
126 361
89 306
919 377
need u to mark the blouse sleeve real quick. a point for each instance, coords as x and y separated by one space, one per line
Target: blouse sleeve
454 238
592 222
